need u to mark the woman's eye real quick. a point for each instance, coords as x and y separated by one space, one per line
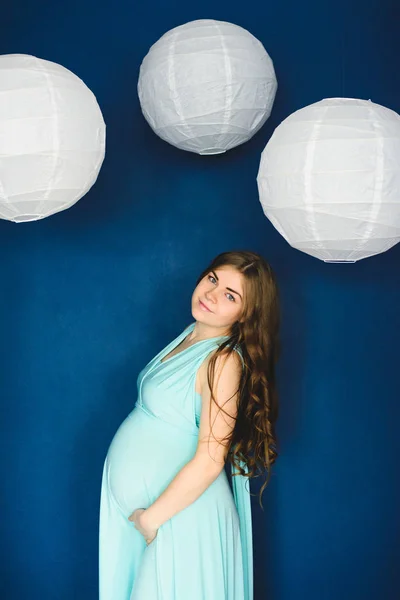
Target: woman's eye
212 277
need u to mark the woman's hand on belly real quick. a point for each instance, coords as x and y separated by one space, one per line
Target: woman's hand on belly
148 533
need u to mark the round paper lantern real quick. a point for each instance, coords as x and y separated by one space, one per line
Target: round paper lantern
329 179
52 138
207 86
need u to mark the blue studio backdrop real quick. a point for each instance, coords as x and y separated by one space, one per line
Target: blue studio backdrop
91 294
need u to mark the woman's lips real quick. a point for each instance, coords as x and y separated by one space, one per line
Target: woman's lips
204 307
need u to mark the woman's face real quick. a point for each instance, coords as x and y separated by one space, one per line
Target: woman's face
222 292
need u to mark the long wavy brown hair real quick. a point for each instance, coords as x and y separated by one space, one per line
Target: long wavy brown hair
253 440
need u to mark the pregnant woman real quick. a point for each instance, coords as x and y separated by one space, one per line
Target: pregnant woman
172 526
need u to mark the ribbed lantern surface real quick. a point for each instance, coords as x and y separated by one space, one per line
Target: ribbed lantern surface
52 138
329 179
207 86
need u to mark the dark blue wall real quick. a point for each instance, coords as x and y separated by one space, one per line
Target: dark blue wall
91 294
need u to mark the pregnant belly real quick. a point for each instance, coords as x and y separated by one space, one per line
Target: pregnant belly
144 456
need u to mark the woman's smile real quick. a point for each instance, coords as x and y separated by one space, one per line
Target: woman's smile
204 307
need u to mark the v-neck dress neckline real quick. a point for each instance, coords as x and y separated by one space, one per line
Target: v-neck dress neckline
185 333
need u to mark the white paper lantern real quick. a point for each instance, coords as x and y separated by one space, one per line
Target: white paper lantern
207 86
52 138
329 179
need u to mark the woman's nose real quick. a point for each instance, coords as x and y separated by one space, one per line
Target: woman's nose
210 297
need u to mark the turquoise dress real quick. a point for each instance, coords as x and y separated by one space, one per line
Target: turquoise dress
205 551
